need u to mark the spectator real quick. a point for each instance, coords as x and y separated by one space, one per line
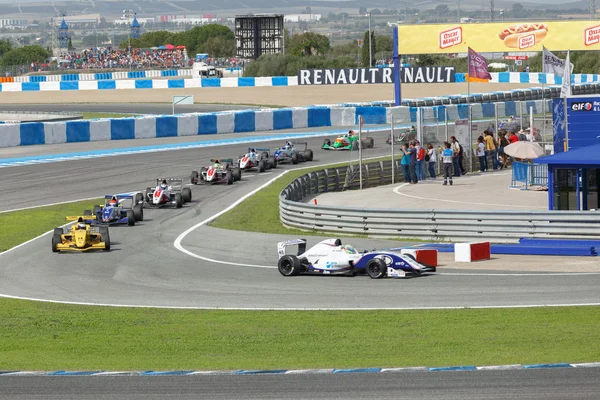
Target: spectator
503 142
491 149
447 158
458 154
512 138
420 160
481 153
413 162
431 158
405 163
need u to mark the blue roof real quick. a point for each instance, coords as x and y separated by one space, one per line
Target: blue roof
135 23
583 156
63 25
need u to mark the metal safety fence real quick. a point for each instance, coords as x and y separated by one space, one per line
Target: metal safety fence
428 224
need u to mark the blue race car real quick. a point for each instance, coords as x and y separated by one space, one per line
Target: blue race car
125 208
330 257
290 153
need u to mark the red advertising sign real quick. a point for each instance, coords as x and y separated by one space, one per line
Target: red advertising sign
516 57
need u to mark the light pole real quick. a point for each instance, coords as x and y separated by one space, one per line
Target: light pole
128 14
370 47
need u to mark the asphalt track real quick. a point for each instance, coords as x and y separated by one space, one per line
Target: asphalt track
145 269
127 108
538 384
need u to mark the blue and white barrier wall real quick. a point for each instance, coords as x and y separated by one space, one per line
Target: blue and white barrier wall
134 80
36 133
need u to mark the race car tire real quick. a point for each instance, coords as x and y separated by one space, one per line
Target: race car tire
138 212
294 158
376 268
354 145
130 218
229 176
87 212
289 265
178 200
308 155
262 165
370 142
97 209
272 162
202 171
410 256
264 155
186 195
237 174
148 196
105 237
139 198
56 239
194 177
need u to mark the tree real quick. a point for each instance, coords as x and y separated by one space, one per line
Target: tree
517 10
365 49
385 44
442 9
309 43
5 46
24 55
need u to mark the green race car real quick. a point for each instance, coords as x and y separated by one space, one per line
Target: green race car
347 141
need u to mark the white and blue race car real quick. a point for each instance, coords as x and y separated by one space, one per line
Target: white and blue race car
291 153
124 208
330 257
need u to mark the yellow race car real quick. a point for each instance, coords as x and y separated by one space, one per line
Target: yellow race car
81 236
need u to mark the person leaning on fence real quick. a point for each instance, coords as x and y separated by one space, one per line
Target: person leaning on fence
448 160
405 163
420 160
413 162
431 158
490 150
502 142
456 150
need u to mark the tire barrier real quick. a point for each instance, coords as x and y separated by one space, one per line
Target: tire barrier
235 122
497 77
429 224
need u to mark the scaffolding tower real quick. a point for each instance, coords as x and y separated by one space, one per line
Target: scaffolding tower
256 35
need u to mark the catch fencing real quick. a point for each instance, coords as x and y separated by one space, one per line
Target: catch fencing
427 224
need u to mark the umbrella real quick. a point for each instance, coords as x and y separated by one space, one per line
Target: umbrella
154 48
169 47
162 48
497 65
180 47
524 150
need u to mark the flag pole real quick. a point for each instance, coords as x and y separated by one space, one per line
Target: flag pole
469 73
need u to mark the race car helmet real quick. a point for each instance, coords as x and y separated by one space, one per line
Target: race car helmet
81 225
289 144
349 249
252 150
163 185
114 201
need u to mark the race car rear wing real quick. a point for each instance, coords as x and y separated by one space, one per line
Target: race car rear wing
301 143
88 219
223 160
301 243
259 149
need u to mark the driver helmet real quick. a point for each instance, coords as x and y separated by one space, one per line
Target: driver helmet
163 185
113 201
81 225
288 144
350 132
252 150
348 248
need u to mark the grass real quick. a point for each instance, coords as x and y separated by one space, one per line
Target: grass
260 212
21 226
93 115
44 336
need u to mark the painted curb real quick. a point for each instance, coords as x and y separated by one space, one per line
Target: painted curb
458 368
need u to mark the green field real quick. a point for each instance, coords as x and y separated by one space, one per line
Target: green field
21 226
43 336
260 212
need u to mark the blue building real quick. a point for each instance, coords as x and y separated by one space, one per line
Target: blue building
574 178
